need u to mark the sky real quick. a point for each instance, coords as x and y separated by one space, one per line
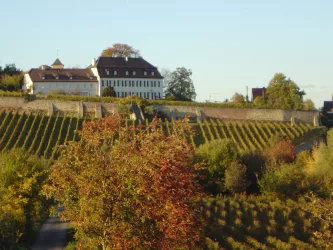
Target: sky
228 45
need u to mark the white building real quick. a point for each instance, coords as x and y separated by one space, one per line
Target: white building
128 76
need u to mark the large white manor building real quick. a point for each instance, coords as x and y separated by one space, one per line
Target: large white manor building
128 76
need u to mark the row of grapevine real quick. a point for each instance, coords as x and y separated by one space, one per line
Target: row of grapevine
260 223
40 134
37 133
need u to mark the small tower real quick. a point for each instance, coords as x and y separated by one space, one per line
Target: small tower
57 64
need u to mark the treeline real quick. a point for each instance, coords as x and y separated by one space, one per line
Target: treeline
11 78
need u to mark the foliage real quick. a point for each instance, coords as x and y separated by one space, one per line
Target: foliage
120 50
259 101
262 222
284 151
133 99
109 91
284 93
22 206
181 85
235 178
58 92
124 187
217 156
237 98
308 105
11 82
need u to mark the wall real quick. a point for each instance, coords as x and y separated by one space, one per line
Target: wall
51 106
238 113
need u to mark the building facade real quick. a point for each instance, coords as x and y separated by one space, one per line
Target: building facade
128 76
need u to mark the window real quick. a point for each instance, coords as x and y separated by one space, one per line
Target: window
71 77
134 73
145 73
147 95
118 83
114 83
154 83
140 95
102 83
137 83
144 94
125 83
159 95
159 84
152 73
151 84
144 83
137 94
57 77
115 72
107 72
117 94
91 85
140 83
43 77
122 83
132 83
126 73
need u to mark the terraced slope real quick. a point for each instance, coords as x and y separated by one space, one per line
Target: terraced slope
40 134
261 223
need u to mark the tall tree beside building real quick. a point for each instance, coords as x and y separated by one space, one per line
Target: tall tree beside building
284 93
121 50
180 85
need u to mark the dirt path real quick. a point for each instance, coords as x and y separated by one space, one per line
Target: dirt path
52 235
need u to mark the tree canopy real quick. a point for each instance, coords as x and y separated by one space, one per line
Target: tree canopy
11 78
125 187
284 93
120 50
180 85
109 91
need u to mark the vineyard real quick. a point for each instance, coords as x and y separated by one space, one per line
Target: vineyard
40 134
261 223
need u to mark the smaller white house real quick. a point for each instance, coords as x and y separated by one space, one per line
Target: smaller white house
56 78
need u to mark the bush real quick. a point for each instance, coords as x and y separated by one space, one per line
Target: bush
284 151
217 156
235 178
109 91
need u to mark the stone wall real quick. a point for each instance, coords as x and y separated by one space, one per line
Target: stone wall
53 106
179 112
95 109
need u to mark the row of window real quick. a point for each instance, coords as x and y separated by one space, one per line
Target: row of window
115 72
63 85
129 83
147 95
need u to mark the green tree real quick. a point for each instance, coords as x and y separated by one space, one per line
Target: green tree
22 205
235 178
217 156
308 105
125 187
11 82
180 85
284 93
120 50
109 91
237 98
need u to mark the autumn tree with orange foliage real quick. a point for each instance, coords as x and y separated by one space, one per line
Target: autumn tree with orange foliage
284 151
128 187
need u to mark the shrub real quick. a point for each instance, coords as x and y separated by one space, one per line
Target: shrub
284 151
235 178
217 156
109 91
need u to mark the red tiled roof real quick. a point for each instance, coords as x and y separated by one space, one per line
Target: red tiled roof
258 92
78 75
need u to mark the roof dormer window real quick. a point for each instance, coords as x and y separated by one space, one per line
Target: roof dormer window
126 73
152 73
91 77
107 71
145 73
57 77
134 73
71 78
43 77
115 72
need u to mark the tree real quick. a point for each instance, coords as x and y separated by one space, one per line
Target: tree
284 93
308 105
125 187
11 82
120 50
109 91
235 178
237 98
21 203
181 85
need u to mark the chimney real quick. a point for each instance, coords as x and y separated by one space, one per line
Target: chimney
93 61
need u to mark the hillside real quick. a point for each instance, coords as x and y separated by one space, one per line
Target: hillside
262 223
40 134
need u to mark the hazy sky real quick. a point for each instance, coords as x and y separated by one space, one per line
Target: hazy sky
227 44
